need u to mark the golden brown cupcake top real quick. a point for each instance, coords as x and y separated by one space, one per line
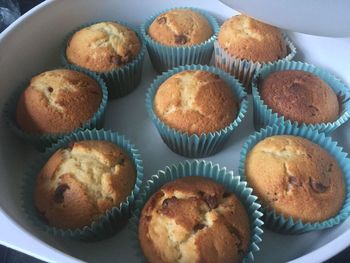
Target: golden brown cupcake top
194 219
296 178
300 96
58 101
80 183
246 38
103 47
180 27
196 102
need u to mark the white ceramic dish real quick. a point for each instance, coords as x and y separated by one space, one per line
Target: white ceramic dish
32 45
323 18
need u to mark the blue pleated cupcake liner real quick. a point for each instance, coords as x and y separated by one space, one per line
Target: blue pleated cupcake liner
244 69
264 116
196 146
109 223
40 142
165 57
278 222
213 171
120 81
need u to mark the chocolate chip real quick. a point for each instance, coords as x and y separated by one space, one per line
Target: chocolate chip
117 60
234 231
200 193
50 89
169 201
198 227
330 167
317 186
293 180
180 39
161 20
226 194
211 201
59 193
120 161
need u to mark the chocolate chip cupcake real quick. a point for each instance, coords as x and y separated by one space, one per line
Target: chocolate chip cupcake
300 96
179 36
81 183
245 44
196 102
180 27
58 101
296 177
300 93
194 219
111 49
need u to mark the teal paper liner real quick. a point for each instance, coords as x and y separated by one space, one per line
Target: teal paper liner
264 116
120 81
244 69
214 172
165 57
114 218
40 142
278 222
195 146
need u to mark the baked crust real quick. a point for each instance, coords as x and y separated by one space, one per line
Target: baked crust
58 101
194 219
103 47
246 38
79 184
180 27
296 177
300 96
195 102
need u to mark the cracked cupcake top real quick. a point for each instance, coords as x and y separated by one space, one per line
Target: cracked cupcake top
246 38
296 177
180 27
58 101
300 96
103 46
193 219
196 102
80 183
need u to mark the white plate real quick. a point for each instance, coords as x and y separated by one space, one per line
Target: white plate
32 45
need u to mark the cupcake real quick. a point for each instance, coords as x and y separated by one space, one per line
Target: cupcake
300 176
196 109
110 49
58 101
179 36
300 93
295 177
244 44
300 96
196 220
79 184
195 102
84 186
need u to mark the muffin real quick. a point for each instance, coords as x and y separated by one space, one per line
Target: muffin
295 177
194 219
180 27
195 102
178 37
300 96
103 47
244 45
58 101
80 183
246 38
